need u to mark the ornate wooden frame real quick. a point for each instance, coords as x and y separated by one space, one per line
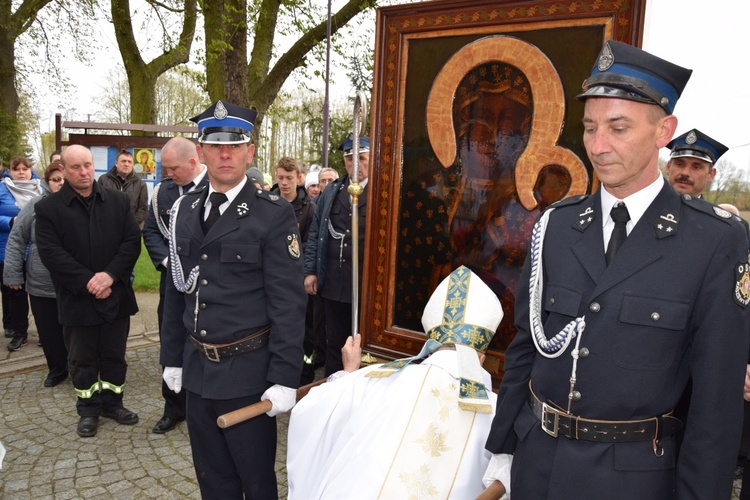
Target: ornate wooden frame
451 26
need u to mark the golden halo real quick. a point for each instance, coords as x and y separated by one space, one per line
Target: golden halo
548 114
149 162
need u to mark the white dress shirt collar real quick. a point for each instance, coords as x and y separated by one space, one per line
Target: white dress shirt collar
637 203
231 195
197 180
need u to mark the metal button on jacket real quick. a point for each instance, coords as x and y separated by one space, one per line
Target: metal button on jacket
575 396
583 352
203 305
203 333
655 316
204 282
204 257
595 307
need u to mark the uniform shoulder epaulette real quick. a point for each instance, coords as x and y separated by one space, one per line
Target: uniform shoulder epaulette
197 190
571 200
269 196
164 183
709 208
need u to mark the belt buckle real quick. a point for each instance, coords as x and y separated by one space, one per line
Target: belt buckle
211 352
546 409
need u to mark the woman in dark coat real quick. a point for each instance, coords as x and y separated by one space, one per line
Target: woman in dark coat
38 281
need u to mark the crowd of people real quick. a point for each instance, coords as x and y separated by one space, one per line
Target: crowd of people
627 373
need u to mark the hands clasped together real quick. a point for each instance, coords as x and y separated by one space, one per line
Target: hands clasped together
100 285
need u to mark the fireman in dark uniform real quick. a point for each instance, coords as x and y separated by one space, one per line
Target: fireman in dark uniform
182 166
692 162
235 311
625 296
328 255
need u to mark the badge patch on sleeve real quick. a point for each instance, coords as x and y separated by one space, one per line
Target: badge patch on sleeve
742 286
293 246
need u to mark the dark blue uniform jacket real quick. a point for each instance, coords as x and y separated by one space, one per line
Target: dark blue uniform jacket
662 312
250 277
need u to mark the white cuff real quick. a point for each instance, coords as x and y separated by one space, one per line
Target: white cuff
335 376
499 469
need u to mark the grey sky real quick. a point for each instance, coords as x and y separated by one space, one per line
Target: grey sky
713 40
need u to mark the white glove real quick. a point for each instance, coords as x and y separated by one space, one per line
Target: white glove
173 377
282 398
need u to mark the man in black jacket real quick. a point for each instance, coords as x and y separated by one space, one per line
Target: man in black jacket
328 256
180 162
89 241
123 178
288 185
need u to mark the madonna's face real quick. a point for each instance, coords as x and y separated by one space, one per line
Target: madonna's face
493 136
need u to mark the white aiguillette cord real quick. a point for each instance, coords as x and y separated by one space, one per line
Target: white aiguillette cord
178 277
155 207
554 347
340 237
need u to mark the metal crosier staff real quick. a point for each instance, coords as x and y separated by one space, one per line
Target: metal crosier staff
354 190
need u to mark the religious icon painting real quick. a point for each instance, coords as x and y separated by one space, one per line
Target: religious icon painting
476 130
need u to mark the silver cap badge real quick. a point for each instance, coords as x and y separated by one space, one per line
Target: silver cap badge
606 58
220 112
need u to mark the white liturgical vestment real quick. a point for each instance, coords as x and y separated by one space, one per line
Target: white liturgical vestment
403 436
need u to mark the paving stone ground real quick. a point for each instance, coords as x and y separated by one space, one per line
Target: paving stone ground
47 460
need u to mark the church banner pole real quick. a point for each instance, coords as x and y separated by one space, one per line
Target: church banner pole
355 190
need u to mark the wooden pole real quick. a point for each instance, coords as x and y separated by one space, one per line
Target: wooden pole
259 408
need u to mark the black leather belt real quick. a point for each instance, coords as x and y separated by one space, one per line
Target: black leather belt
214 352
557 422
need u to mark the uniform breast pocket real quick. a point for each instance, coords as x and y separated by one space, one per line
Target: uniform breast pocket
562 300
182 246
239 261
561 305
650 332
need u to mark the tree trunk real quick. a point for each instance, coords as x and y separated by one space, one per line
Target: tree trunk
142 87
141 76
227 70
215 42
226 50
235 77
10 134
12 25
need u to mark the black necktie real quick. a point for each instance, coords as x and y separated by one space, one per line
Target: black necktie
213 215
187 187
621 217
